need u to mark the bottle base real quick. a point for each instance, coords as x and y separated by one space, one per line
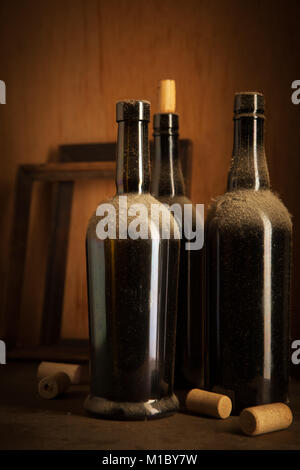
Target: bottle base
155 408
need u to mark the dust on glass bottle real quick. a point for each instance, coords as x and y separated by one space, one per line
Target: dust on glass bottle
132 278
168 186
248 253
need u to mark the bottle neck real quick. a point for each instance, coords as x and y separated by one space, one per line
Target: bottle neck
133 166
167 177
248 166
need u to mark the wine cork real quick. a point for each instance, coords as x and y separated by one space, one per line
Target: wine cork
77 373
265 418
54 385
208 403
167 96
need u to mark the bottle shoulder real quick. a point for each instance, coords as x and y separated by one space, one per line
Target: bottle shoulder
248 208
135 210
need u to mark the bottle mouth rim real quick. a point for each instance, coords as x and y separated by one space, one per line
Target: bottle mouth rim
168 122
133 110
251 103
249 93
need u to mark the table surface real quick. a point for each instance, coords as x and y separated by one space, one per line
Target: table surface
30 422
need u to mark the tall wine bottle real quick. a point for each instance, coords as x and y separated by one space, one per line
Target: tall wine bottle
168 186
248 251
131 281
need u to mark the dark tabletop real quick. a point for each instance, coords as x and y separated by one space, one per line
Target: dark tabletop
30 422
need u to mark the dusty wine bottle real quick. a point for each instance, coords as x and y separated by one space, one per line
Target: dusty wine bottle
132 277
248 251
167 185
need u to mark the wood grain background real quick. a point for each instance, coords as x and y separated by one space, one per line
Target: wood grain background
66 63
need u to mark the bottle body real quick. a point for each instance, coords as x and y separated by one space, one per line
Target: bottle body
248 253
248 284
168 186
132 314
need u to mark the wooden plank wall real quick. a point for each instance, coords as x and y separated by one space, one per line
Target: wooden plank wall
66 63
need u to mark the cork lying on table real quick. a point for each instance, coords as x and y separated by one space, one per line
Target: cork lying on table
208 403
265 418
54 385
78 373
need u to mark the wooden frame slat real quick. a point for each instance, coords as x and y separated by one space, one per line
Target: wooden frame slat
17 255
54 172
56 265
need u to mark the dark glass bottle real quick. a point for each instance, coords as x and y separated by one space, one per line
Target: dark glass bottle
248 251
167 185
131 283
